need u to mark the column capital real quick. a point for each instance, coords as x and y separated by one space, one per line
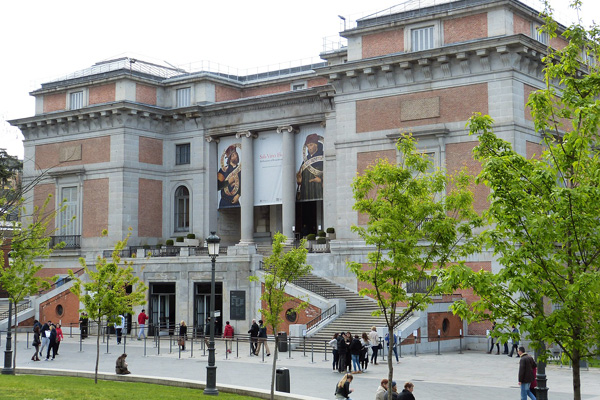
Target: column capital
287 128
211 139
247 134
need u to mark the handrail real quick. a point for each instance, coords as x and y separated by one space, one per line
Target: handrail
330 312
19 308
314 288
60 282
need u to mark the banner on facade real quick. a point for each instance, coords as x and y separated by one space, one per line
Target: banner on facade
309 159
229 184
268 161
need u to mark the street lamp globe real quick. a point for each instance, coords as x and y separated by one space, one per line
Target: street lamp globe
212 242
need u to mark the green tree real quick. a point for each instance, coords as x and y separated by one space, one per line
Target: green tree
419 221
280 268
543 213
103 291
29 246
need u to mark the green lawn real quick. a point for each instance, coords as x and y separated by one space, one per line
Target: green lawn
31 387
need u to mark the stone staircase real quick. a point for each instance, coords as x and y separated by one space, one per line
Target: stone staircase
357 318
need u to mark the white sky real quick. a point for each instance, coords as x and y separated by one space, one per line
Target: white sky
41 40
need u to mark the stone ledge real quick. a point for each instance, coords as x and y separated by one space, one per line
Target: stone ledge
185 383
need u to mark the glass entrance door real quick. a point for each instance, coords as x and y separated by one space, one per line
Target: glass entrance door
162 308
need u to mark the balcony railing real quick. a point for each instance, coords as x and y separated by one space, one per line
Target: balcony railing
421 286
70 241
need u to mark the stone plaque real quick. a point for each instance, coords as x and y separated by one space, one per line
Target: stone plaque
420 109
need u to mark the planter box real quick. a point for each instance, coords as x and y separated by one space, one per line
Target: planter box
320 248
192 242
180 244
331 236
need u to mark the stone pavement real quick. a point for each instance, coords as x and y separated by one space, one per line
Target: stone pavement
472 375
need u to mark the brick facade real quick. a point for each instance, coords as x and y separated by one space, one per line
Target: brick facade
435 322
80 152
366 159
302 317
40 195
521 25
455 104
382 43
95 207
145 94
68 303
533 149
102 94
151 151
460 155
55 102
150 209
465 28
225 93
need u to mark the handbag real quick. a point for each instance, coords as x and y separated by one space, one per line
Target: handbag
181 342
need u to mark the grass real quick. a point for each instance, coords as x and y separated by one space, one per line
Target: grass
31 387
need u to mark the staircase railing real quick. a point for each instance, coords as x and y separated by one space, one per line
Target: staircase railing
61 281
19 308
325 315
312 287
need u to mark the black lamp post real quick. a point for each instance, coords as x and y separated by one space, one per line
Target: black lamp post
8 367
542 381
211 369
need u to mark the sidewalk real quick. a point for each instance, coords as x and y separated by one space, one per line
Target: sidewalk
472 375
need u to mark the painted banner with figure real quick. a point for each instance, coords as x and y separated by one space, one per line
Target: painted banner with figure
309 160
268 161
229 183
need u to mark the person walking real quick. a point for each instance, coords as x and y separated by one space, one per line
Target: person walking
228 336
142 318
253 331
342 347
182 335
382 389
375 345
45 334
394 392
83 325
51 343
492 340
515 341
364 351
262 338
355 347
333 343
394 340
59 337
342 389
407 392
526 376
119 328
36 343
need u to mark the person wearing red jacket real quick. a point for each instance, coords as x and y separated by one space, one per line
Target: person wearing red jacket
228 335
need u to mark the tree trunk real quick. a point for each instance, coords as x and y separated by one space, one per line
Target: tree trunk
273 372
15 343
97 352
389 361
576 375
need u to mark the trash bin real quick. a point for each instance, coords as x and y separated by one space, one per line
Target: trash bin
282 339
282 380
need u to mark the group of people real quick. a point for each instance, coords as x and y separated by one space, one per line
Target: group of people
514 340
351 354
258 338
48 336
343 391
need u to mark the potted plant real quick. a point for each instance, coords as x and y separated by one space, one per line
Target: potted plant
330 233
310 240
321 234
320 246
179 241
169 242
191 240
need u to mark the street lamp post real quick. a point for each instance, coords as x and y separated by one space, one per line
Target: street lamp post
542 381
8 367
211 369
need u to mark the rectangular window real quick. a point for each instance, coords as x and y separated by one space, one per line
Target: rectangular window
184 97
76 100
299 86
182 154
422 38
68 217
540 36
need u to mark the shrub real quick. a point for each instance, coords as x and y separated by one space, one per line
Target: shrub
191 236
321 234
330 230
179 239
159 245
146 246
321 240
311 236
169 242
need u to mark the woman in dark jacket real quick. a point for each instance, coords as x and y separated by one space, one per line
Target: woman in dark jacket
182 334
342 348
342 389
355 347
52 345
36 343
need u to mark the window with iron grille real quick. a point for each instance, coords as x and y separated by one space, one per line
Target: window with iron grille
422 38
184 97
182 154
76 100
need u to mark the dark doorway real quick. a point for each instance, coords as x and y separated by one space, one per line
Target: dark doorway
308 217
162 308
202 308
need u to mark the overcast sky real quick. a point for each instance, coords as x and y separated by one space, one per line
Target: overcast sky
41 40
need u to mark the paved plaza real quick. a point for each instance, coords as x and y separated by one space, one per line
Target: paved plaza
472 375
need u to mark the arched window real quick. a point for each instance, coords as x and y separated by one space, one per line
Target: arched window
182 209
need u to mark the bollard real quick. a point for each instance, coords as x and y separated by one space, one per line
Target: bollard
80 341
145 337
312 353
304 351
289 347
439 343
170 344
460 343
237 347
158 341
416 336
400 344
263 351
107 340
179 350
27 340
125 343
383 349
71 330
192 346
325 348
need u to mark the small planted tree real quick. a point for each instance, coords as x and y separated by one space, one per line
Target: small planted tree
418 222
104 291
280 268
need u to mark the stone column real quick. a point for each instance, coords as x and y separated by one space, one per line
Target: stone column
211 158
288 182
247 196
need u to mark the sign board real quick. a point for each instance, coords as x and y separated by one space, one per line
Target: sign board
237 305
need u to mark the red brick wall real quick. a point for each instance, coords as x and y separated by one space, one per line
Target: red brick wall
382 43
558 43
303 316
317 82
225 93
70 305
527 90
455 104
95 207
40 194
145 94
263 90
50 272
364 160
521 25
435 323
459 155
476 328
55 102
465 28
151 151
94 150
102 94
5 247
533 149
150 208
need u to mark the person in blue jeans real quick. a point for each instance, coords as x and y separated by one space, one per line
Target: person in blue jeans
515 339
355 347
526 376
394 347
